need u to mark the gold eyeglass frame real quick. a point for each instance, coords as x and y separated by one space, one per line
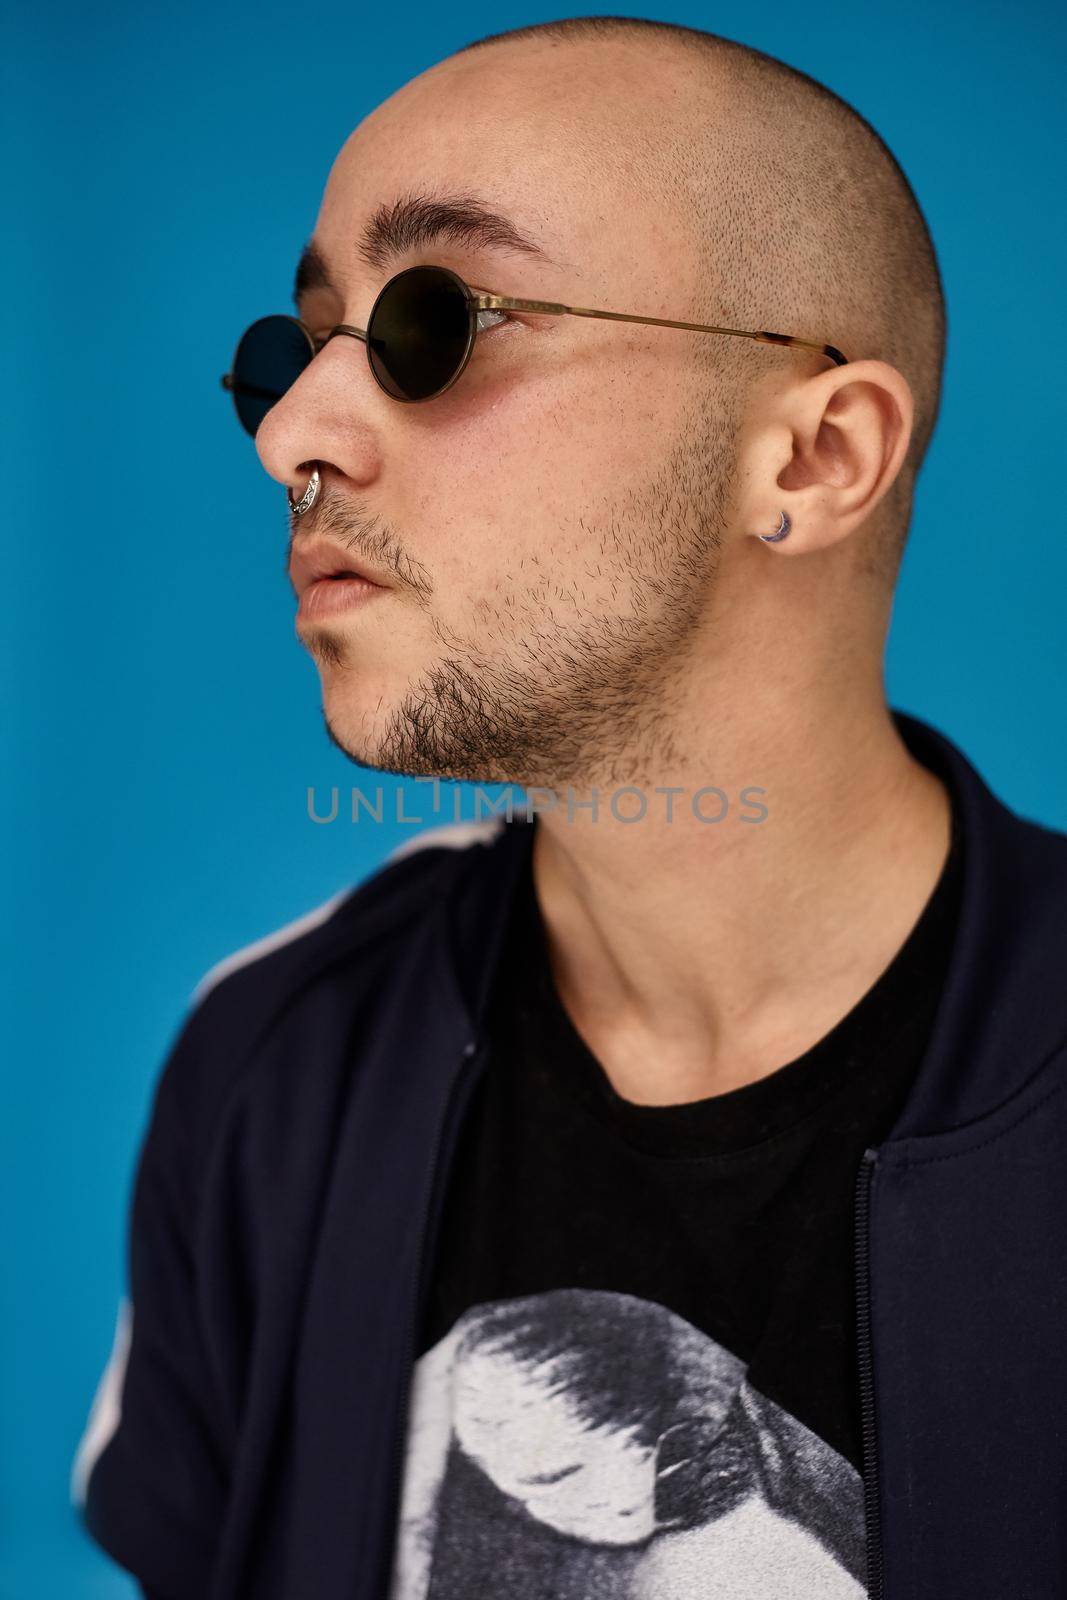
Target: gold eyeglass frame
481 299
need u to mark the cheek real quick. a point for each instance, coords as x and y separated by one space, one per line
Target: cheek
515 485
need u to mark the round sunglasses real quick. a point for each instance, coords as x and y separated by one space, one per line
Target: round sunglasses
419 337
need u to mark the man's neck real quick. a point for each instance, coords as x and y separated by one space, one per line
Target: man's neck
693 956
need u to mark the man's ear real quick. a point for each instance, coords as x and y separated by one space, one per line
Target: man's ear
826 452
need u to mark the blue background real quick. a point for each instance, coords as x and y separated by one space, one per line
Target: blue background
165 724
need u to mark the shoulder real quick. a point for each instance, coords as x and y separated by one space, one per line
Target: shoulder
1042 843
1027 879
322 965
385 902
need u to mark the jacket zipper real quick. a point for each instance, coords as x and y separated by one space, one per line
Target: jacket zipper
454 1103
875 1569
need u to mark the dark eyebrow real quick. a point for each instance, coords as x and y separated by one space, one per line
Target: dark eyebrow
417 220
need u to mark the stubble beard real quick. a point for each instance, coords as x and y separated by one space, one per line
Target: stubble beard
580 702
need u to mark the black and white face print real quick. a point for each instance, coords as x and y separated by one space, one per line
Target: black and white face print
586 1444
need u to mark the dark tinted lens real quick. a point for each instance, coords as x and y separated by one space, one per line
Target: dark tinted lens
272 354
419 333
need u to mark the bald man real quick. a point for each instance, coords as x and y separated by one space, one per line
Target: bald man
655 1188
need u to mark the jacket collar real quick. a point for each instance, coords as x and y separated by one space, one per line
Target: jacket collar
994 1026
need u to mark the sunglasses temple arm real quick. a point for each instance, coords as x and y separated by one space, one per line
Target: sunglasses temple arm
230 383
490 302
762 337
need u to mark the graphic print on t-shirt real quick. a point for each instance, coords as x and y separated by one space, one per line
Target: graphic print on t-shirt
582 1444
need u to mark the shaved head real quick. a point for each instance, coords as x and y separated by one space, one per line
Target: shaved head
800 215
572 535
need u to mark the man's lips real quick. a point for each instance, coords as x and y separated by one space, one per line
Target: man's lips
328 597
328 579
320 560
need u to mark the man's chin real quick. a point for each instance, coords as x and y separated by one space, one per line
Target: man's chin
362 734
355 733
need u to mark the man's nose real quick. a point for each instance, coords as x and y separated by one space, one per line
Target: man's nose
329 416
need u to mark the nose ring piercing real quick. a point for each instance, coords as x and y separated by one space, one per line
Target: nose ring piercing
779 532
307 499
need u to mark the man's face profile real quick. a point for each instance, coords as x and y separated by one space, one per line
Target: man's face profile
560 538
545 563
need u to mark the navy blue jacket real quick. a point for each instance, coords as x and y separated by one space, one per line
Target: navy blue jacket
247 1439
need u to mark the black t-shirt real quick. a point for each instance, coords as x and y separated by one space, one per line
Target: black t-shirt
637 1368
